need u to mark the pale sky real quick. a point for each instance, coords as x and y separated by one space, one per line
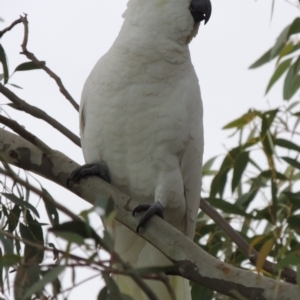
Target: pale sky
72 35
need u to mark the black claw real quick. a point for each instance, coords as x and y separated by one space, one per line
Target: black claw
151 209
97 169
200 10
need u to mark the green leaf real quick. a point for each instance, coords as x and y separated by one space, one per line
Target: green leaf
291 82
294 222
295 27
287 49
269 174
199 292
287 144
111 291
72 230
239 167
245 199
9 259
206 169
13 218
3 61
263 253
7 244
266 57
49 277
37 231
30 253
242 121
16 86
27 66
281 40
293 88
226 207
292 259
267 120
51 209
291 161
71 237
13 198
278 73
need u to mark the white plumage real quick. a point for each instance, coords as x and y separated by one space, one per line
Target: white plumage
141 114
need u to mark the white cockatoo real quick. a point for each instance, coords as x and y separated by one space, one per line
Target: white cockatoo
141 127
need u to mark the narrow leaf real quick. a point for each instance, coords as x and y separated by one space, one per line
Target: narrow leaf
287 144
13 218
27 66
239 167
292 162
266 57
242 121
292 259
51 209
226 207
8 260
294 222
278 73
49 277
13 198
3 61
280 42
263 253
295 27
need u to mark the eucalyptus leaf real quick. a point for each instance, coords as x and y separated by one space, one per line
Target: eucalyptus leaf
4 63
28 66
49 277
278 73
13 198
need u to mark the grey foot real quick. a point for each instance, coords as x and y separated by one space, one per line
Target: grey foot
96 169
150 210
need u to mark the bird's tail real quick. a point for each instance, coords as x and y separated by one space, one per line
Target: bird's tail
140 254
179 286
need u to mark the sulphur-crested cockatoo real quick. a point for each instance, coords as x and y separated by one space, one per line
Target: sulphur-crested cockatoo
141 127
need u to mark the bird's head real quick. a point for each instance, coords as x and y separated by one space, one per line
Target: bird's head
200 10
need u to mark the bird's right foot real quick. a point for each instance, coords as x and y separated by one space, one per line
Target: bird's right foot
97 169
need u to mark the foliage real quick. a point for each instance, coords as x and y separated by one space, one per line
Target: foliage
256 184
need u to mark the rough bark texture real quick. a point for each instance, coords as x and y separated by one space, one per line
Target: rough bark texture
189 259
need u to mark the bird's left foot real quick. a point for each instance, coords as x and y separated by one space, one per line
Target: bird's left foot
150 210
97 169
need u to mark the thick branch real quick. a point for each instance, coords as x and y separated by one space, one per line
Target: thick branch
189 259
38 113
42 65
289 274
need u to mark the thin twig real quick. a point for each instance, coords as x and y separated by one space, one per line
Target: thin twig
43 66
289 274
79 283
11 26
16 127
39 246
9 172
38 113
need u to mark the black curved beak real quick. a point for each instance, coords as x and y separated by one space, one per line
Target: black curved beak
200 10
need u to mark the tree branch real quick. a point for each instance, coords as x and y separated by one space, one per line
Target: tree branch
190 260
42 65
38 113
16 127
289 274
10 27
